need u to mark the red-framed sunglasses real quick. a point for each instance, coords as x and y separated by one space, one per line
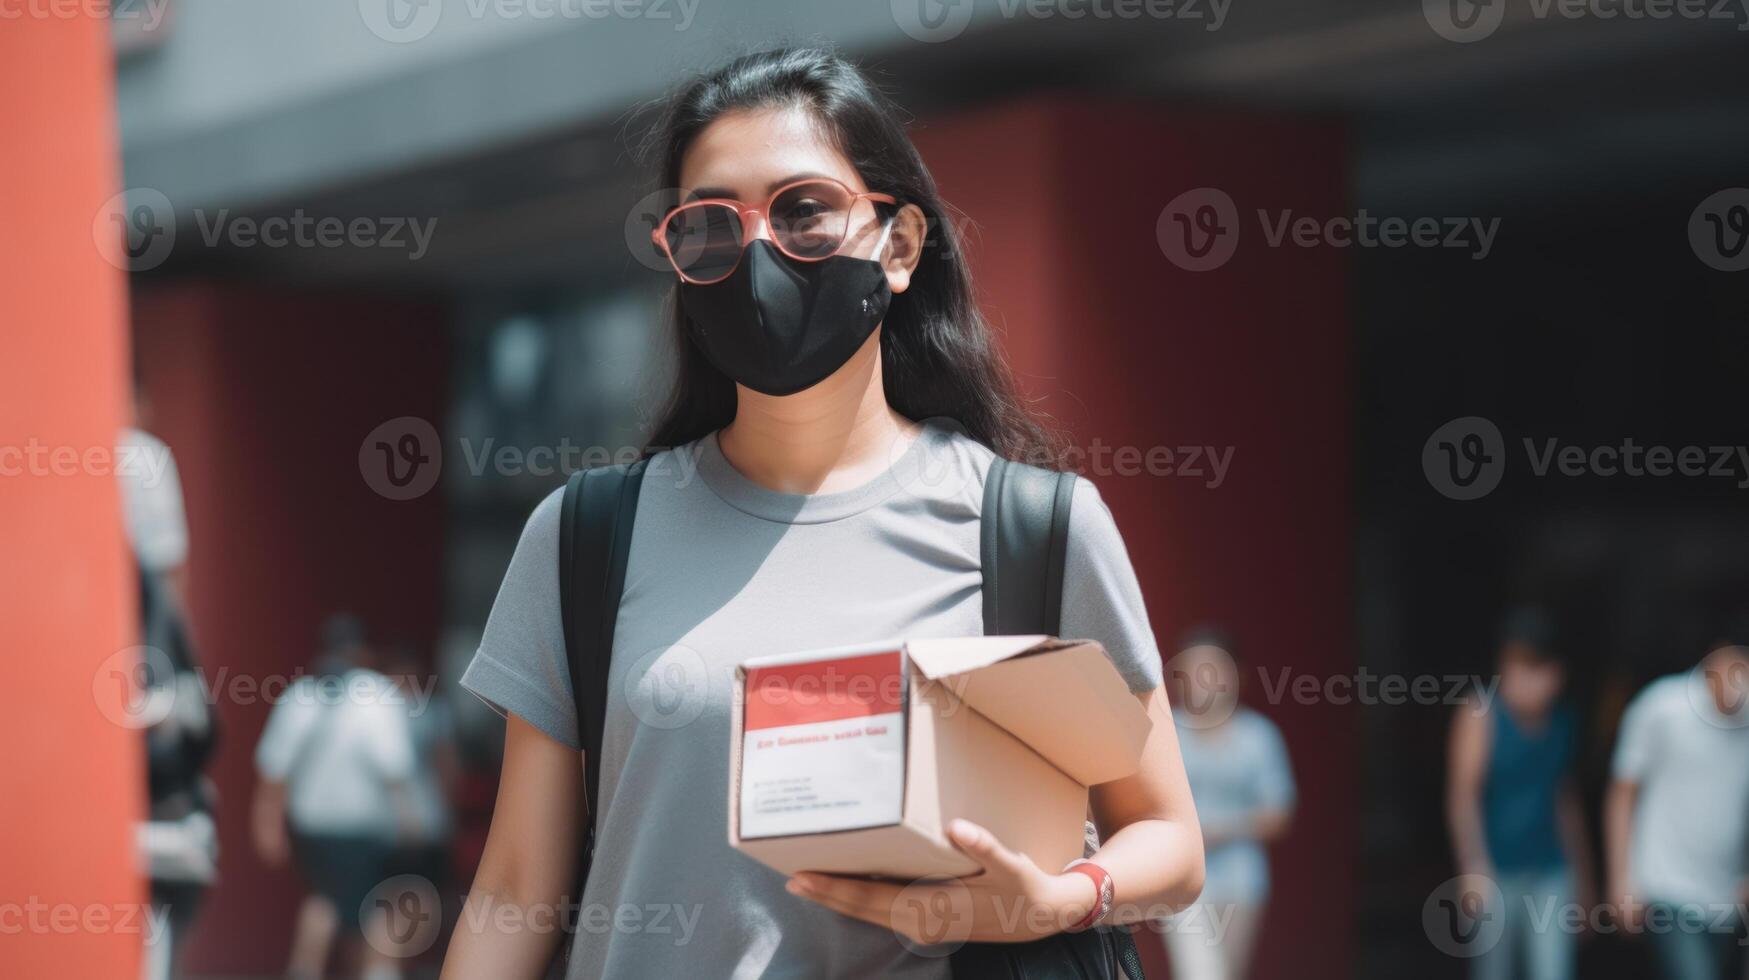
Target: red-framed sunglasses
808 220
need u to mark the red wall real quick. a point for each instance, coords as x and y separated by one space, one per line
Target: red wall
265 397
1124 346
72 785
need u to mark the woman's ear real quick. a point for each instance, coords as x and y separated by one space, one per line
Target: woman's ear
904 248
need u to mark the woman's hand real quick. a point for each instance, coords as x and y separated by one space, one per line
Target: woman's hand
1012 901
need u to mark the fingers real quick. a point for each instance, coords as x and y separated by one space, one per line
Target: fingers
870 901
922 912
983 847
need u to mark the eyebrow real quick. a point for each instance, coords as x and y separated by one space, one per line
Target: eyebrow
704 192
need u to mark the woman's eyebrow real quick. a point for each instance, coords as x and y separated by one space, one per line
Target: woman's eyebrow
699 193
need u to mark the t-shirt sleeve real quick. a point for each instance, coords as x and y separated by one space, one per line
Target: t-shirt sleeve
520 667
289 725
1636 748
1101 597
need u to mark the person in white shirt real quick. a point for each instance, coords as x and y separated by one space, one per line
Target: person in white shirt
334 763
1677 814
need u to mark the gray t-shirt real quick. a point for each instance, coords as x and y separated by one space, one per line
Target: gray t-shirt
722 569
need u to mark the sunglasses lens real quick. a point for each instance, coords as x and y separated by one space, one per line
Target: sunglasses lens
809 219
704 241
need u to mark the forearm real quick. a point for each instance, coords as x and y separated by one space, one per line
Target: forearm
1618 816
1468 844
504 931
510 923
1156 868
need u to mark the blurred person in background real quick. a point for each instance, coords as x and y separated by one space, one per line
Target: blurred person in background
1513 806
178 841
336 764
1677 813
1243 785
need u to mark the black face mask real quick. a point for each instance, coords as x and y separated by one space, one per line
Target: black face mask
780 326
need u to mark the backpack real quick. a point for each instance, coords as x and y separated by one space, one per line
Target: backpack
1023 544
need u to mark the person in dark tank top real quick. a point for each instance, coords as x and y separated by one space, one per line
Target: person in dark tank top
1514 812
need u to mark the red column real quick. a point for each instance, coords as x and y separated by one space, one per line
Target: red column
1129 349
72 785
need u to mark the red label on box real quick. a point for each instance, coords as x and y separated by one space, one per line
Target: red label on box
824 690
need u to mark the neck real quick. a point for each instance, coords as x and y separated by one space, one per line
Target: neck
839 434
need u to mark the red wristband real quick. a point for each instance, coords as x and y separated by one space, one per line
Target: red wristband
1103 887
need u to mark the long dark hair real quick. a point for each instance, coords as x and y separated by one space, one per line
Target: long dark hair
938 357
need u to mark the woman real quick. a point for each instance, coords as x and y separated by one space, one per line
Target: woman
1244 788
822 311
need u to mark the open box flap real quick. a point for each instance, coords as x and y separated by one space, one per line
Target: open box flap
946 656
1065 699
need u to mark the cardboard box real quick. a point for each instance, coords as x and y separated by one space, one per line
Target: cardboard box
854 760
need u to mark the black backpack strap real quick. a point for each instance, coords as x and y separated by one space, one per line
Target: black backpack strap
1025 540
1024 547
595 538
